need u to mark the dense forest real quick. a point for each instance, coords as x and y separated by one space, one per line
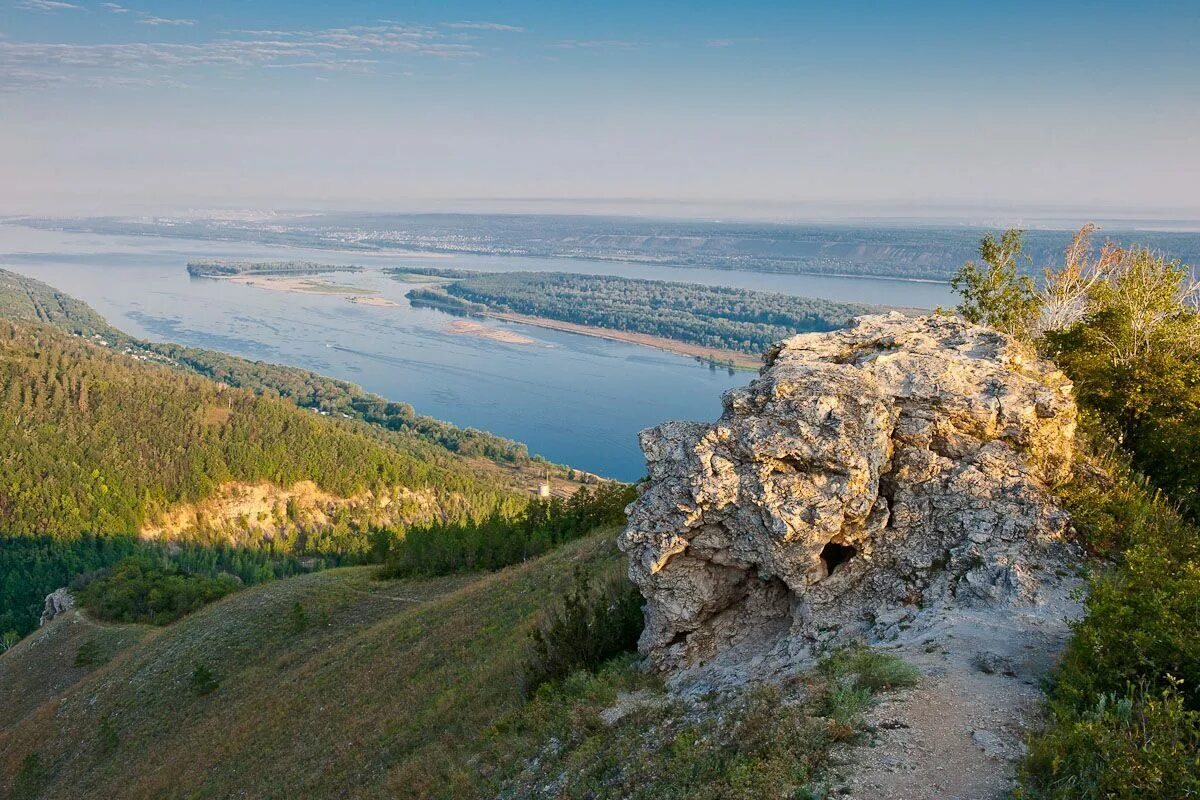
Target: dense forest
98 442
27 299
507 536
225 269
713 316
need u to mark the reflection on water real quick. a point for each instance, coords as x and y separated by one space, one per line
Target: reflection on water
574 399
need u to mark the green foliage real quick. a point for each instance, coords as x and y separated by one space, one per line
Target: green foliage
298 618
587 629
89 655
99 443
1139 631
32 567
8 639
107 738
1127 746
1135 358
220 268
203 681
863 668
506 536
767 741
994 292
31 778
140 590
713 316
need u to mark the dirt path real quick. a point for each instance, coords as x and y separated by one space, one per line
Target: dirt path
959 735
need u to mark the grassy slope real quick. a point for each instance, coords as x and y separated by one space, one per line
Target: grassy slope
377 696
46 664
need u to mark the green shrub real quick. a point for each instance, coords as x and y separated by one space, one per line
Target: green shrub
1127 746
141 590
589 628
203 681
995 293
31 778
863 668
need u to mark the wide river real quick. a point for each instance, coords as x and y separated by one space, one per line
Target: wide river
573 399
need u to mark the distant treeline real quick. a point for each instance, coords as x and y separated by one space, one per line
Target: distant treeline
34 566
506 536
223 269
713 316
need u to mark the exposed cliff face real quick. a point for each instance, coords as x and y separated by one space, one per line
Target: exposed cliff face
867 480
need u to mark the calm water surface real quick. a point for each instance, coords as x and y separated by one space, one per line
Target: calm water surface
574 399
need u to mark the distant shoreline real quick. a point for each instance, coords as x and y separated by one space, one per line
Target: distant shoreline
731 358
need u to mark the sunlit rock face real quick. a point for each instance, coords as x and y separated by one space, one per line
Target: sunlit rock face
866 479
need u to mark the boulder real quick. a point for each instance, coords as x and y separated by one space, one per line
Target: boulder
867 478
57 602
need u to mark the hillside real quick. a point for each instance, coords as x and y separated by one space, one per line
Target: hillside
30 300
386 691
103 443
341 685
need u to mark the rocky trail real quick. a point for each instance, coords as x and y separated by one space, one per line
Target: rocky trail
959 734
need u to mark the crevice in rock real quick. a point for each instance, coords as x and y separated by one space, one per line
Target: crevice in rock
835 555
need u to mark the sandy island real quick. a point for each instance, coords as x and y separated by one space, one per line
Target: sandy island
369 300
465 327
291 283
732 358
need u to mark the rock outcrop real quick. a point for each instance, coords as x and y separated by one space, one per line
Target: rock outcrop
868 479
57 602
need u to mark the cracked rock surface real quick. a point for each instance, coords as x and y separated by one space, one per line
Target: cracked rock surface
866 483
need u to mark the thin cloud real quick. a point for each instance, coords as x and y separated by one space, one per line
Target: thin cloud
156 21
732 42
113 8
48 5
598 44
484 26
32 65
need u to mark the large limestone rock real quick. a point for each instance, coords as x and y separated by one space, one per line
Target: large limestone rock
866 480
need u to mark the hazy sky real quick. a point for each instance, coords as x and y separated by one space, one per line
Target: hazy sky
152 105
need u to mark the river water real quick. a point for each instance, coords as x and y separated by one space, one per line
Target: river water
573 399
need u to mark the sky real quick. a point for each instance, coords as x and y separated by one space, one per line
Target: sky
771 109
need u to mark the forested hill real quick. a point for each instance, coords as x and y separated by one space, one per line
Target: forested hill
26 299
713 316
99 442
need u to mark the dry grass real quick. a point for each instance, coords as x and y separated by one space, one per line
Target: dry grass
386 691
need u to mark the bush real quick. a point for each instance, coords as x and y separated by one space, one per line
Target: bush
995 293
140 590
589 628
203 681
1127 746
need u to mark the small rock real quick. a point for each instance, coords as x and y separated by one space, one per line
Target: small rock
57 602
